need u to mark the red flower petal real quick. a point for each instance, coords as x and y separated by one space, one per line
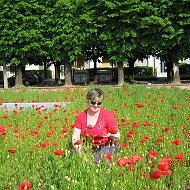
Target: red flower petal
113 129
155 175
135 158
122 161
153 154
12 150
78 142
109 157
58 152
177 142
26 185
179 156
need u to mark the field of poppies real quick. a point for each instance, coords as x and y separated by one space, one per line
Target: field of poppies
154 150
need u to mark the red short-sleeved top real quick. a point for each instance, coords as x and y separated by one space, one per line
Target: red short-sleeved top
105 121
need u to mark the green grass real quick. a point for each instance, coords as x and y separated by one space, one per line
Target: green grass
32 162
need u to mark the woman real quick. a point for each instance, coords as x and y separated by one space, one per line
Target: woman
98 126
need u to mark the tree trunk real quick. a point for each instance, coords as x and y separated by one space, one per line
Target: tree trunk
95 70
5 74
68 77
173 67
120 73
45 72
18 76
131 62
169 71
57 73
176 79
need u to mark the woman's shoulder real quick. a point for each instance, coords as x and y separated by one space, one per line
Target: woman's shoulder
82 114
106 112
109 116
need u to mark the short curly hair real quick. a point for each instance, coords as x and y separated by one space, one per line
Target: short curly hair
95 93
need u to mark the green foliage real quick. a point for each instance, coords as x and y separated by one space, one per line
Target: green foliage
63 30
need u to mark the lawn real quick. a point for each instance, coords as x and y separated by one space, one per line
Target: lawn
154 150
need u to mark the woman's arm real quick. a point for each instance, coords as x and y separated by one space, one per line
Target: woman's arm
75 138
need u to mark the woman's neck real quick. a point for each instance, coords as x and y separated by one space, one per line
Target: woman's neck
91 113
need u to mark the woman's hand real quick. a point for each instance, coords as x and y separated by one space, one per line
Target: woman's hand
78 148
76 140
115 137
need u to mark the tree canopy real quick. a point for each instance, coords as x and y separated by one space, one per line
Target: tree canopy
62 30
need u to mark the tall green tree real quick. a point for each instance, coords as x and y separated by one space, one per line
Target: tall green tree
173 19
19 32
120 31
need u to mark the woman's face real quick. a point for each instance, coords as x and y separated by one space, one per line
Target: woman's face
94 104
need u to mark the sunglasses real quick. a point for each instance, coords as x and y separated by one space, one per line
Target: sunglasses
94 103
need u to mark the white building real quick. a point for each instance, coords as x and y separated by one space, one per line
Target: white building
159 67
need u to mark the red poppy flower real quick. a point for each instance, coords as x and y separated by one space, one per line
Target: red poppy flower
48 134
2 130
64 130
123 144
146 123
109 157
135 158
46 144
153 154
155 175
135 124
166 129
129 165
144 139
35 131
45 117
55 144
125 123
15 112
144 175
113 129
179 156
130 134
122 161
125 105
160 137
26 185
36 146
12 150
164 165
78 142
59 152
177 142
72 125
123 120
139 105
5 116
40 122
